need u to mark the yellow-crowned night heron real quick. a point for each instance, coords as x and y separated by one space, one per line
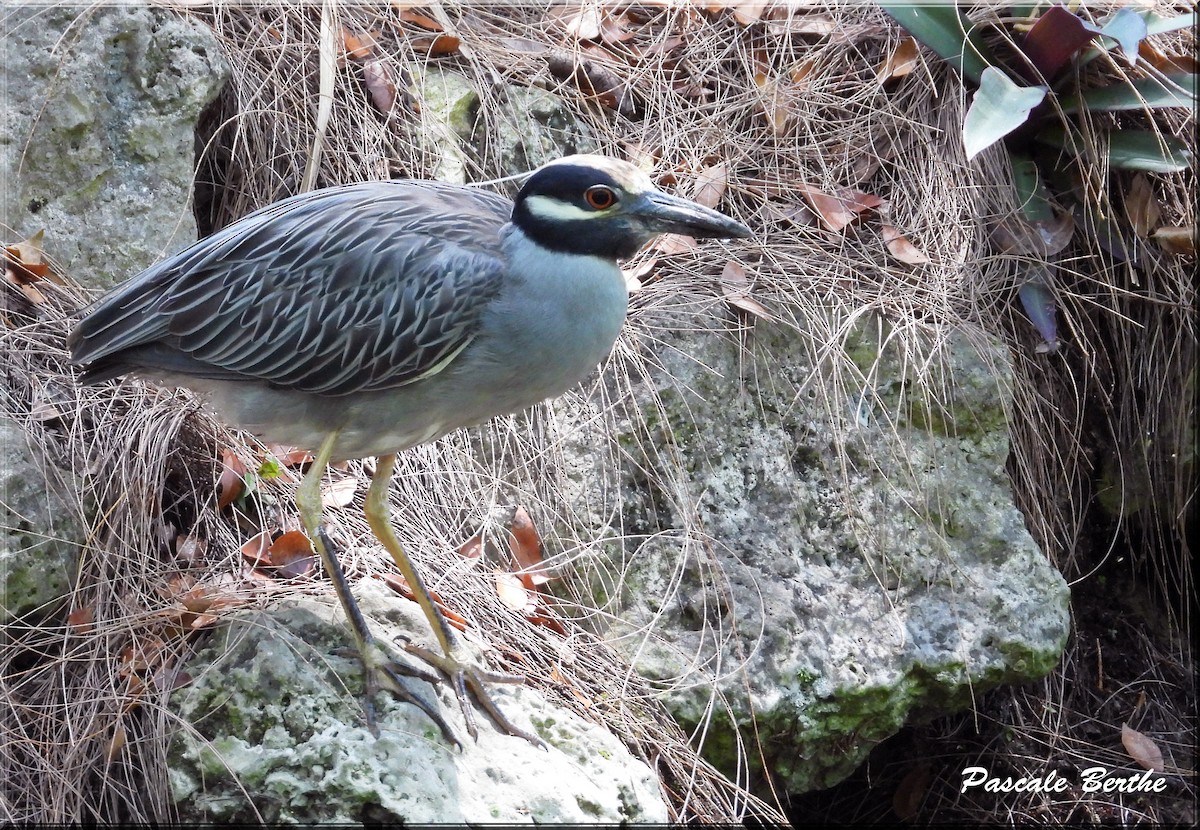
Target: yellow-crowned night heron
365 319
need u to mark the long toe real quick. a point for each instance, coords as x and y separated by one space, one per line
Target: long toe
469 682
380 671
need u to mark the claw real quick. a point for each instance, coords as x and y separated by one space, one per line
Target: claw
464 677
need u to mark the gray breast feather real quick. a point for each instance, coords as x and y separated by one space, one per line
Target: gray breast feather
359 288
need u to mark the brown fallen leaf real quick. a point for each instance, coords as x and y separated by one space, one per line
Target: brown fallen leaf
359 46
292 555
400 585
81 620
418 19
711 184
511 592
1141 206
378 80
670 244
472 548
190 548
116 744
585 24
232 480
634 276
526 548
837 210
1141 748
735 286
901 248
1176 239
774 102
338 493
437 46
902 60
910 792
254 550
25 262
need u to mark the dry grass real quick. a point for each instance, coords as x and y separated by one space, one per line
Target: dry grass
149 454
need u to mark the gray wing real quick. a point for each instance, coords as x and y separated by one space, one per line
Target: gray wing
344 290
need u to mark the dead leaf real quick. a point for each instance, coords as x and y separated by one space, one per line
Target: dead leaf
711 184
526 548
1141 748
289 456
839 210
81 619
670 244
774 102
633 276
1168 64
359 46
899 246
338 493
1176 239
585 25
735 286
25 262
232 480
593 79
292 554
437 46
901 61
613 30
1141 206
116 744
255 549
1017 235
400 585
472 548
418 19
167 680
190 548
378 80
510 590
748 12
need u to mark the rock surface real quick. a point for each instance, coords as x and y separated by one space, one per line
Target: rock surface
275 735
866 565
96 145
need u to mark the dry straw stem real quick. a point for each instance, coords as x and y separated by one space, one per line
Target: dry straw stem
784 106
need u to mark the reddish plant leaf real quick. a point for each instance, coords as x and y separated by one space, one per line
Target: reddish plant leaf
25 262
910 792
1141 748
400 585
1050 43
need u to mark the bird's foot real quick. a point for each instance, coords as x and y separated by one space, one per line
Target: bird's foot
465 678
382 672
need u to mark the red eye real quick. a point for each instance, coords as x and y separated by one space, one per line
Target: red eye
600 197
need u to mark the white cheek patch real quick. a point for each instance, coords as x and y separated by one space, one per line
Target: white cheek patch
543 207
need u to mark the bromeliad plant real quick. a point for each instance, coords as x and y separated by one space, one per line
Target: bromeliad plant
1034 94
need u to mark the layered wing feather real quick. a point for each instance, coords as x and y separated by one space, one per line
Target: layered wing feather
349 289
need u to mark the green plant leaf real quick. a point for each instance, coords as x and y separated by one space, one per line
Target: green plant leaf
1128 149
1177 90
1000 106
1128 29
1156 25
1032 195
948 32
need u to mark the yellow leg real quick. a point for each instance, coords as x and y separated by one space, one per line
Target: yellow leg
462 676
376 663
